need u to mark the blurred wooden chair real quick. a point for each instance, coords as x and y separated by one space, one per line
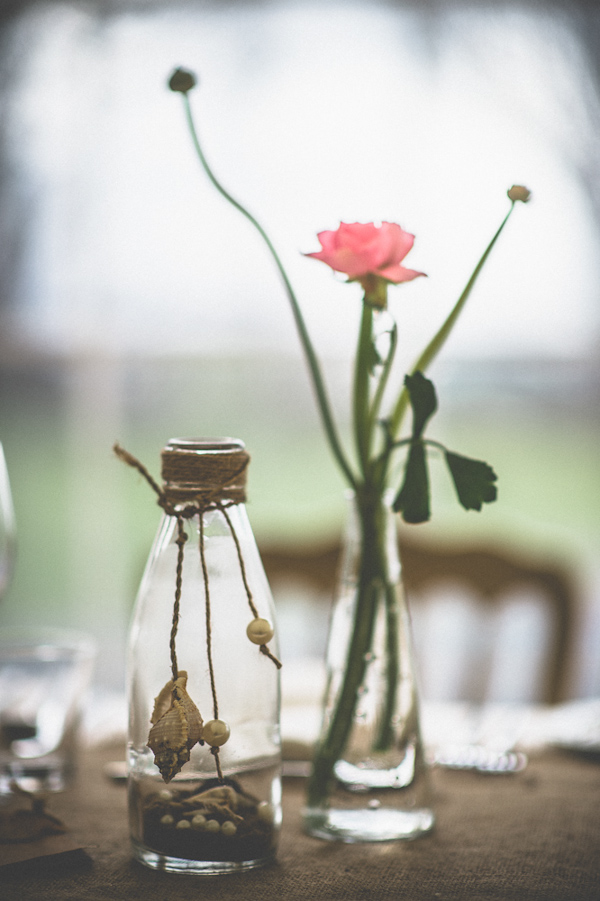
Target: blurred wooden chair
488 577
491 577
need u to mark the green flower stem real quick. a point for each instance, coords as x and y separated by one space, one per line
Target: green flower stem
361 396
385 735
313 363
332 747
365 421
371 578
378 464
439 339
386 730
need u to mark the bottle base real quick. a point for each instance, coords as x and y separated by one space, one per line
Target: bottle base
157 861
376 825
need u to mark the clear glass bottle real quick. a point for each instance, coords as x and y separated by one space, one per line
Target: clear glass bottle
369 781
219 811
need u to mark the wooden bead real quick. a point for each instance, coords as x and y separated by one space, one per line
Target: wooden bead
260 631
265 812
215 733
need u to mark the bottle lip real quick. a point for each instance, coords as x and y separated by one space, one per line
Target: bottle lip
204 445
209 470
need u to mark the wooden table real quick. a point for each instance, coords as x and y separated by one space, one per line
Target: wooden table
533 836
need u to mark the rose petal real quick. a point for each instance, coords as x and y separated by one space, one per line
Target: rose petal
398 274
400 242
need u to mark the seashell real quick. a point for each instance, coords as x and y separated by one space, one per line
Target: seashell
177 727
164 699
223 794
210 808
168 740
221 800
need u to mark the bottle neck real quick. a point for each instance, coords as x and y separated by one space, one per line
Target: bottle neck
204 472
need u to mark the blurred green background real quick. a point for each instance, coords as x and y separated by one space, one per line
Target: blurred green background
86 521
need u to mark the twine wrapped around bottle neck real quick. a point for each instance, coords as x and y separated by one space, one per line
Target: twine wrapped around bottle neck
198 474
204 471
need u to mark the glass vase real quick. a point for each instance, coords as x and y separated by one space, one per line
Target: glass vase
205 806
369 780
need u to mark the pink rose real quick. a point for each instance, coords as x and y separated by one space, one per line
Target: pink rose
365 251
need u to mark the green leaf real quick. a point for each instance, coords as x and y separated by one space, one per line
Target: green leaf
412 501
423 401
473 480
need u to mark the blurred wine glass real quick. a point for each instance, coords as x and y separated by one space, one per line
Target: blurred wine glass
8 543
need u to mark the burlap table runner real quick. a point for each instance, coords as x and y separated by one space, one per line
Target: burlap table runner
528 837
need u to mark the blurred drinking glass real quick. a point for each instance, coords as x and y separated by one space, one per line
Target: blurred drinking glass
44 679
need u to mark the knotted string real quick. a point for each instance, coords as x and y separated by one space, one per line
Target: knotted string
214 750
180 542
263 648
201 503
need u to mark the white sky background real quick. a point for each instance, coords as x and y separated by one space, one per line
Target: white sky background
309 113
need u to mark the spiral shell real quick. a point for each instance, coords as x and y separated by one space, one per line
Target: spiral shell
221 801
177 726
220 794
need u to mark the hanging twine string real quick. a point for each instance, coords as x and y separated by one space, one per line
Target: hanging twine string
132 461
172 500
263 648
180 541
214 750
182 471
